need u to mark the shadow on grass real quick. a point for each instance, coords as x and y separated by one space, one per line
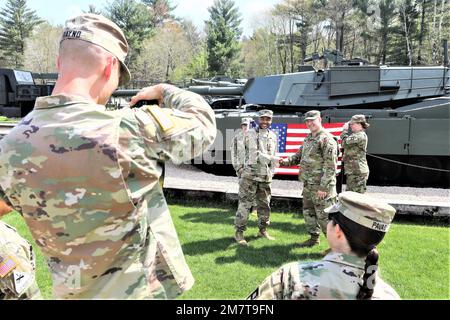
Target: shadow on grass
267 256
227 218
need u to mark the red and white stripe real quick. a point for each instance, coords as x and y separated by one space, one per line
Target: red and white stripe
296 135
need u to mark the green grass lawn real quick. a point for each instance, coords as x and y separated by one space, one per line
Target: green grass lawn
414 258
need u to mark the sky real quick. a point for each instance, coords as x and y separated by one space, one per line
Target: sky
57 11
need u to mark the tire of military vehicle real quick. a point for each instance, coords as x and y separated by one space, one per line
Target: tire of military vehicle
422 176
384 172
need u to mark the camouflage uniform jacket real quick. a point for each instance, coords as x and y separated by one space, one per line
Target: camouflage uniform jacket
237 158
355 147
258 152
86 181
17 276
318 160
338 276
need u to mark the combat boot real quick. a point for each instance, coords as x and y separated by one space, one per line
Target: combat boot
264 234
311 242
239 236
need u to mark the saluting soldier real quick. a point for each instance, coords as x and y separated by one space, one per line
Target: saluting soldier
258 153
354 143
17 263
317 158
86 179
357 224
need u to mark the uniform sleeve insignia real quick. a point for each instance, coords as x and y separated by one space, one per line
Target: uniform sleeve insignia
163 119
6 266
22 281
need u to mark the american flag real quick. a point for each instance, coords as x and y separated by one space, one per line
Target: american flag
291 137
6 266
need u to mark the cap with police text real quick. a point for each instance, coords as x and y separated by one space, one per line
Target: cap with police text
364 210
266 113
312 115
358 118
246 121
102 32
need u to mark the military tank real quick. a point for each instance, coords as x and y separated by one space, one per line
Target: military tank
408 109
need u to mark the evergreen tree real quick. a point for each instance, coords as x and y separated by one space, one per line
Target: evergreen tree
93 9
134 19
161 10
223 35
16 25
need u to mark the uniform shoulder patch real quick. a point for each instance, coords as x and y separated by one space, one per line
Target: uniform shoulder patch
22 281
162 118
7 264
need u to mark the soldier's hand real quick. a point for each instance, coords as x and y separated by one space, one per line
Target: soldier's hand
321 194
149 93
346 125
4 208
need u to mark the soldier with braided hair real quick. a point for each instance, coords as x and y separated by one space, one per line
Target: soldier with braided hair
357 224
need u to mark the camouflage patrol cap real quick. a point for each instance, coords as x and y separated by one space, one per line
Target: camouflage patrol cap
312 115
102 32
364 210
358 118
266 113
246 121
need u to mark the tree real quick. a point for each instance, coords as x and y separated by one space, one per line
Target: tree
161 11
338 10
93 9
163 54
135 21
388 12
17 22
42 48
223 35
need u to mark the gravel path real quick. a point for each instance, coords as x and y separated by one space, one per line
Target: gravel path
190 177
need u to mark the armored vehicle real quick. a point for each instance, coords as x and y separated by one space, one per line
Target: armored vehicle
408 109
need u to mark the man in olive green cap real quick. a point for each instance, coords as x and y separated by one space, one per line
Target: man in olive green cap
354 142
357 224
86 179
317 158
258 167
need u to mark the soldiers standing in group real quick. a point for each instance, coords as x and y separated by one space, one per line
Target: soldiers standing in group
318 160
237 158
17 263
357 224
258 153
86 179
354 143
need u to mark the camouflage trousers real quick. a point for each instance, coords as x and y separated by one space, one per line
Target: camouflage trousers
357 182
314 209
251 191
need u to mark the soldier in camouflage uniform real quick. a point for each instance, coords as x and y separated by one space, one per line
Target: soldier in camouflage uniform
86 179
237 158
258 153
357 225
318 160
17 263
354 142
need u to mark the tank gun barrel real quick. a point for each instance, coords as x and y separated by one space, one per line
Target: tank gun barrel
236 90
